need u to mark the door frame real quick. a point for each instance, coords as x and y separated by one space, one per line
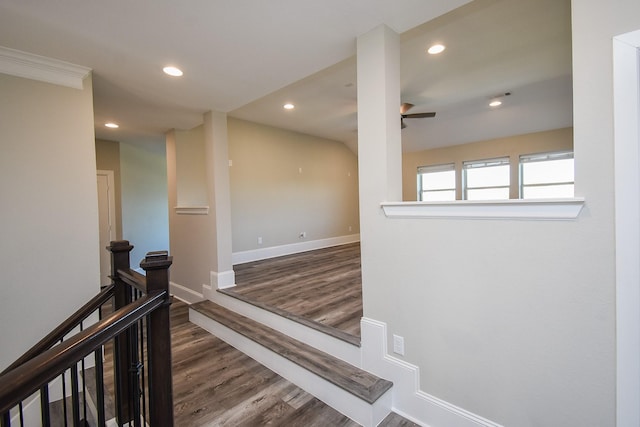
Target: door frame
626 103
111 209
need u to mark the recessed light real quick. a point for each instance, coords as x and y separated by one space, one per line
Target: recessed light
288 106
112 125
172 71
436 48
495 103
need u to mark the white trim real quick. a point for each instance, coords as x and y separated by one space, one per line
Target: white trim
192 210
626 100
294 248
35 67
534 209
185 294
223 279
408 400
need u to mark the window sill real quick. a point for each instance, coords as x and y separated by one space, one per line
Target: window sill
529 210
192 210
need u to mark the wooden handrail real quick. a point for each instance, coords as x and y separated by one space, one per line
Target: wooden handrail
64 328
31 375
134 279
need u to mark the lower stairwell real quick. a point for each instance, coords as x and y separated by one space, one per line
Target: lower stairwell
359 395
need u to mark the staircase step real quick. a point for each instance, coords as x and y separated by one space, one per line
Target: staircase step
283 323
334 332
370 401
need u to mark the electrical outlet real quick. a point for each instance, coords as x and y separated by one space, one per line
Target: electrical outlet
259 240
349 228
398 345
302 234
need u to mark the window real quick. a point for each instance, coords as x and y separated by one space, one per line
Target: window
437 183
546 175
486 179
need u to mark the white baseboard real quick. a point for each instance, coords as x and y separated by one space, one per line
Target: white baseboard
294 248
185 294
408 400
223 279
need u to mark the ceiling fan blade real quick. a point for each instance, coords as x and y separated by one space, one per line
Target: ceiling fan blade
405 107
418 115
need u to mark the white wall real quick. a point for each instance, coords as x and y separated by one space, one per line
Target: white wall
145 217
49 217
513 320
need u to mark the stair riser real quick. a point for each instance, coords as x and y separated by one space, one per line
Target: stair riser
328 344
353 407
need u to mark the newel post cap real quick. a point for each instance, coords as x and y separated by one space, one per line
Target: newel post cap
156 260
120 246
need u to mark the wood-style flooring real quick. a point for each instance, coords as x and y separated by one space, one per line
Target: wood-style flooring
323 285
216 385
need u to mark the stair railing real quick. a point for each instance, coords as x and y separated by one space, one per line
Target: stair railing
135 335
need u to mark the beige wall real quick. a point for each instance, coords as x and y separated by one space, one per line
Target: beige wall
512 147
108 158
49 217
284 183
191 178
190 236
515 320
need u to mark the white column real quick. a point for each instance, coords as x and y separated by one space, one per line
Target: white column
217 163
379 139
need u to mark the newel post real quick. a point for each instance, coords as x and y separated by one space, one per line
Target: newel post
156 266
120 251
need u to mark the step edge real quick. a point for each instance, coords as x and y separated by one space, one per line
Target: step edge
334 332
370 393
364 413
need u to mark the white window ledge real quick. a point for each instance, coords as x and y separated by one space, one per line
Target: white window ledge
192 210
531 210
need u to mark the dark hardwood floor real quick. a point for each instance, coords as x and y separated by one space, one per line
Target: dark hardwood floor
323 285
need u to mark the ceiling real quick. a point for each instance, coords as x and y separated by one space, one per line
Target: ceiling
249 57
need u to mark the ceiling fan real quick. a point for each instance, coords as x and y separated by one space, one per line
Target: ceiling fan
406 107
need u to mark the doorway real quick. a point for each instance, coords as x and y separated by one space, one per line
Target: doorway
106 221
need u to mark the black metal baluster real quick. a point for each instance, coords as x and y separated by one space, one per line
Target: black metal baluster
134 374
143 333
64 399
21 414
44 406
100 387
84 383
5 421
75 402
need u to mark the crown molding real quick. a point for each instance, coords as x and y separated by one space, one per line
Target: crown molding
35 67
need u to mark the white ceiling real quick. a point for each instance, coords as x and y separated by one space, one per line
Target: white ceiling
248 57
